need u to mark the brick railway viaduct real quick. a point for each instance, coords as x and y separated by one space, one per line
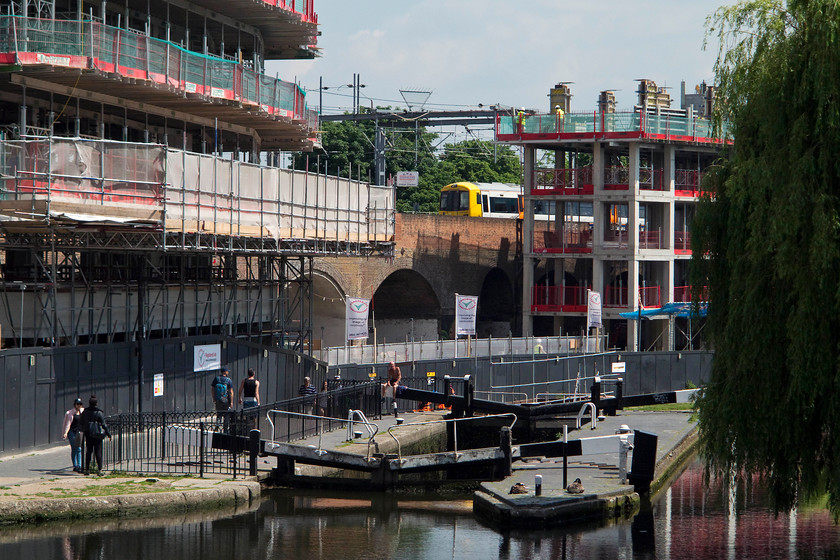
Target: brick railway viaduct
435 257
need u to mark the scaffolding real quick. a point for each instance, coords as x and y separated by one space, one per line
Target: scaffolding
107 241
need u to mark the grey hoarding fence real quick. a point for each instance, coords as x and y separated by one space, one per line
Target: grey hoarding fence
39 384
644 372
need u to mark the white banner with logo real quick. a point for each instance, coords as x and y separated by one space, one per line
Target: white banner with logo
207 357
465 311
593 309
158 385
408 178
357 318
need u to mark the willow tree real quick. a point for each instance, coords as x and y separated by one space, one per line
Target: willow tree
769 246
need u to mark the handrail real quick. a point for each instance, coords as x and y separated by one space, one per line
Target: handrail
490 394
318 449
366 423
594 421
454 430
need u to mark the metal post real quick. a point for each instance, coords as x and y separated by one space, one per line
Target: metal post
565 455
254 452
20 325
201 450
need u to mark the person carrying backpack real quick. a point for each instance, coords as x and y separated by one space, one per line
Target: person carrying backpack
93 423
222 390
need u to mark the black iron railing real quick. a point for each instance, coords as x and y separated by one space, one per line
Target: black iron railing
209 442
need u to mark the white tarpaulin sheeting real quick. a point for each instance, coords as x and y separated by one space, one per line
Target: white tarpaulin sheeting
195 192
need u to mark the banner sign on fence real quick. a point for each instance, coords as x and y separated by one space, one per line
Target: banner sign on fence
408 178
465 310
158 385
357 318
593 309
207 357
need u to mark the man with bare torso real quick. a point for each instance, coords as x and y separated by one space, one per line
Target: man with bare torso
389 388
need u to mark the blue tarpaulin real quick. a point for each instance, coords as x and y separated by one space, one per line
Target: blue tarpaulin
678 309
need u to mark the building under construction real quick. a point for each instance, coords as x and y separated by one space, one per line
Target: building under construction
142 199
612 216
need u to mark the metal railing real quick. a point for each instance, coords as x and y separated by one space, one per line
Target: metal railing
454 422
637 123
89 44
208 442
447 349
559 298
563 181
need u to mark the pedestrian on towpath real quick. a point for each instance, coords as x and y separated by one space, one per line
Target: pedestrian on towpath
249 391
73 433
308 391
96 430
222 391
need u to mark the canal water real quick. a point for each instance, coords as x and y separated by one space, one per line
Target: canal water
686 521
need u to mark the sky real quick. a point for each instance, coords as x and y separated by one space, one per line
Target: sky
471 52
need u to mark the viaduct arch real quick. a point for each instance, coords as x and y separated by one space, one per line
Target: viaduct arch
435 257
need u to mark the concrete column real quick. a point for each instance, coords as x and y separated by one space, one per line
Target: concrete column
598 276
668 167
599 224
598 167
528 260
668 285
633 171
668 227
633 326
633 225
669 296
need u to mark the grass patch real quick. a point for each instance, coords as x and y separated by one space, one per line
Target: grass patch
116 489
665 407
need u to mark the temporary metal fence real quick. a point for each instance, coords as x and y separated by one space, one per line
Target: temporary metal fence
460 348
208 442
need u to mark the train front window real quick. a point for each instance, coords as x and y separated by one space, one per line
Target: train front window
454 201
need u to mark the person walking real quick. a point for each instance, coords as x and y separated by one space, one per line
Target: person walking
222 390
323 399
308 391
249 391
73 433
96 430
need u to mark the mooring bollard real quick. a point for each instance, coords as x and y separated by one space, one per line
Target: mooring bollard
538 485
253 451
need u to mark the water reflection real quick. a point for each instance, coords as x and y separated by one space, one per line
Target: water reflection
686 521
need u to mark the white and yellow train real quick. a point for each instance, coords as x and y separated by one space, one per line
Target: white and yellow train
493 200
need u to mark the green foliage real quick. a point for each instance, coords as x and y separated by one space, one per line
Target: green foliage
771 241
348 143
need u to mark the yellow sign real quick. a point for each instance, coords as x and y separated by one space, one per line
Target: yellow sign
430 374
372 375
